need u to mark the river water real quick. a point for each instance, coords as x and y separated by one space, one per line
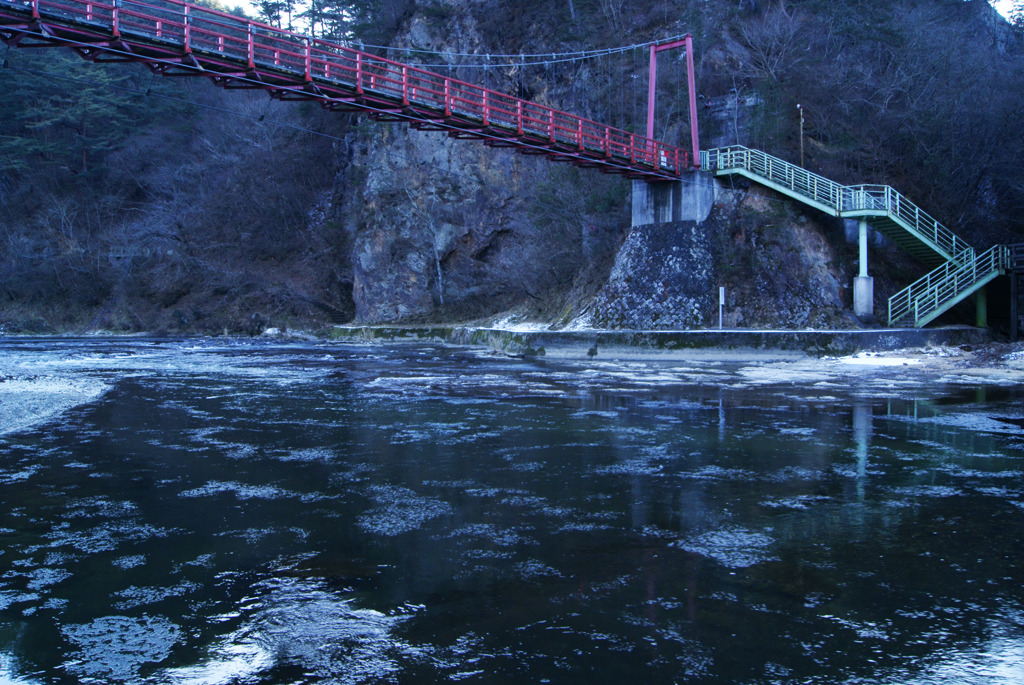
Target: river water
205 512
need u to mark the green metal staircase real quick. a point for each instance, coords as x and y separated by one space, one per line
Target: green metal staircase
959 271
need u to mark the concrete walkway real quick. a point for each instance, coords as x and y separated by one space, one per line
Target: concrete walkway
735 344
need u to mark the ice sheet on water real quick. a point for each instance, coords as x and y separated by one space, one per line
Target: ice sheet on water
29 402
114 648
733 547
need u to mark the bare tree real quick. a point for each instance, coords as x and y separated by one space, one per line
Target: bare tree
772 41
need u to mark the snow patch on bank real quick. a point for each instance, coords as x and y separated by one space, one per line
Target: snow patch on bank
877 359
517 325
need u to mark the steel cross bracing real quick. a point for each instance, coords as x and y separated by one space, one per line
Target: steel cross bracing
175 38
960 272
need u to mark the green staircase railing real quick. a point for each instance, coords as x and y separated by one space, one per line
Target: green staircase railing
939 290
870 202
961 273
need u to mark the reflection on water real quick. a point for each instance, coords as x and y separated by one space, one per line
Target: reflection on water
344 514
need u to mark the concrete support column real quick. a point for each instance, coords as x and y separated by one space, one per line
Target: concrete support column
1014 313
981 308
691 198
863 285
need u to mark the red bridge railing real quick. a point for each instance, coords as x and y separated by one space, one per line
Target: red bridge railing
178 38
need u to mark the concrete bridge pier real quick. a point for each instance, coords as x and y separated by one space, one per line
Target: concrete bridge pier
688 199
863 285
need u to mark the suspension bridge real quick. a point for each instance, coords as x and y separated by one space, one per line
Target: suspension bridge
177 38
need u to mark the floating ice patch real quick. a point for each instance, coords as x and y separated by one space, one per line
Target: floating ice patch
531 569
133 596
805 431
400 510
638 466
299 625
44 577
116 647
799 502
928 491
502 537
714 472
976 422
240 490
10 598
104 538
8 477
789 473
102 506
732 547
131 561
312 454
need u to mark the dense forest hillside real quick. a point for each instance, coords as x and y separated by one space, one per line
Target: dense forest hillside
132 202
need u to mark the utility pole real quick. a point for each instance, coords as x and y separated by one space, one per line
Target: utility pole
801 109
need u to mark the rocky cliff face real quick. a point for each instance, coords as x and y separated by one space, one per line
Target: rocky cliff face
444 229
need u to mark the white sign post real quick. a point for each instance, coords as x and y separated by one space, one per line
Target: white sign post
721 305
